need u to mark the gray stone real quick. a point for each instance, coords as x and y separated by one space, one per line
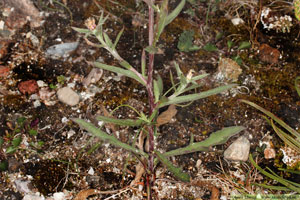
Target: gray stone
238 150
68 96
60 50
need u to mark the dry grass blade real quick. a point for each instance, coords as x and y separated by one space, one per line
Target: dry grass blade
166 116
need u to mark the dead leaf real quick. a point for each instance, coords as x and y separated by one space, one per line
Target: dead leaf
268 54
166 116
93 77
214 193
139 168
83 194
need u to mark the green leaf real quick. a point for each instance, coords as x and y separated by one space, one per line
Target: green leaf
175 12
108 138
275 118
238 60
151 49
297 83
40 143
219 35
289 184
3 165
93 148
120 122
1 142
16 141
216 138
185 42
119 70
81 30
178 70
143 63
201 76
20 121
107 40
244 45
33 132
11 149
229 44
193 97
118 38
156 91
162 20
178 173
160 84
210 47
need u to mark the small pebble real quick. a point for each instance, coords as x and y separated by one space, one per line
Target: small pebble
68 96
238 150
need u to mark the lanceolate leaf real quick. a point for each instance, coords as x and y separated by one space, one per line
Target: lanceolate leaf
216 138
81 30
178 173
121 122
118 38
193 97
119 70
162 19
175 12
108 138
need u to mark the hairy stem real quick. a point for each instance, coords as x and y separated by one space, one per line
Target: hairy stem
150 178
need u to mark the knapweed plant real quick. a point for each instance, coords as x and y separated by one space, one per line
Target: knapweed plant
156 97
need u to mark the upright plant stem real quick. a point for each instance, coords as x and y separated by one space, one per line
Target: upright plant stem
150 178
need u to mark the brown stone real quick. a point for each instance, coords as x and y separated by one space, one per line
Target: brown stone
268 54
4 71
28 87
4 44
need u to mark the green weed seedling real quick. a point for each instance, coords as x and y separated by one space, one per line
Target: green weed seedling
185 42
156 97
10 143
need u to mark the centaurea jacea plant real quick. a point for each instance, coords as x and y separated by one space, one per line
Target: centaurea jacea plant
156 98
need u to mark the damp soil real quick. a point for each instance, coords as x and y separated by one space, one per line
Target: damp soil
61 154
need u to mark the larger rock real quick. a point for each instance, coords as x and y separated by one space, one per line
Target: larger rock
238 150
68 96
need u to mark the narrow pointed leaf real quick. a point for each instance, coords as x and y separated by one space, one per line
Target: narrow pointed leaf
216 138
156 91
107 40
175 12
143 63
81 30
118 38
274 117
121 122
193 97
192 87
178 173
289 140
244 45
160 84
277 178
119 70
201 76
297 83
107 138
162 20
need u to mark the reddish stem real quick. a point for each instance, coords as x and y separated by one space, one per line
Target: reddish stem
150 178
